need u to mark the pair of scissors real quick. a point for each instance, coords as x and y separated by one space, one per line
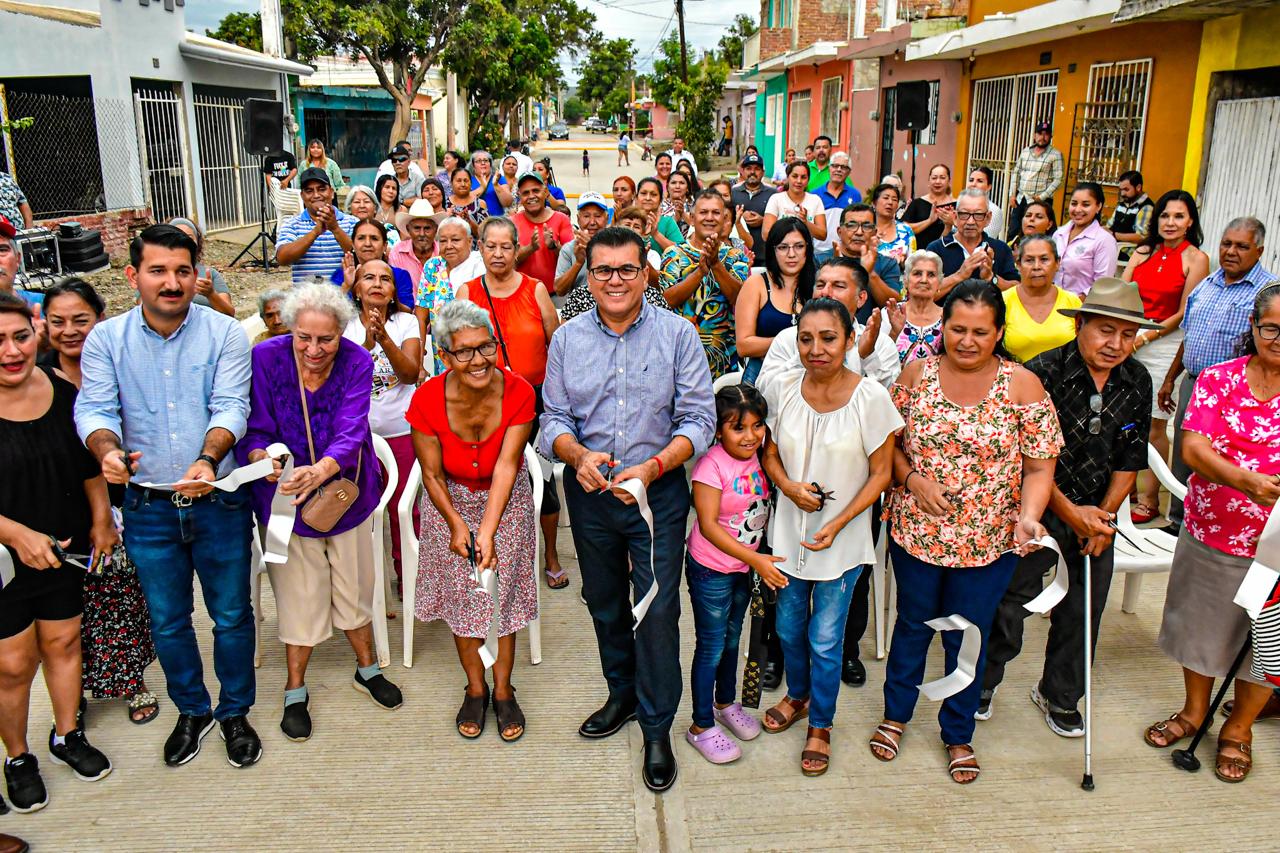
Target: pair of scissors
823 496
64 556
612 464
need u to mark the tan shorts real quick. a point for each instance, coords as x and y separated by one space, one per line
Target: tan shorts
326 584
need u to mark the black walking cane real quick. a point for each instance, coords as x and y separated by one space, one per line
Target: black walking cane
1186 758
1087 782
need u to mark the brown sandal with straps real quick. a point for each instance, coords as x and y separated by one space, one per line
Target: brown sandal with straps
887 736
775 721
965 762
1185 729
1242 762
823 736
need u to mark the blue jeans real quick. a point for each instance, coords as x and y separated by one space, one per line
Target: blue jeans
925 592
719 602
210 538
813 641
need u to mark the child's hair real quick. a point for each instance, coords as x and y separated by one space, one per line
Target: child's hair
735 402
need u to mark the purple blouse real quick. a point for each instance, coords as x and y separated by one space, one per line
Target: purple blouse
339 424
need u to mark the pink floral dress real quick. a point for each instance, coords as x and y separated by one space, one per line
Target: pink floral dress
1244 430
975 453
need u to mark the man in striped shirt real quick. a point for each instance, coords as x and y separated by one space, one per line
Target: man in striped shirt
314 241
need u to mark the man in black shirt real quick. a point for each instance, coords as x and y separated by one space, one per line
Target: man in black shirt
750 197
967 252
1103 398
280 165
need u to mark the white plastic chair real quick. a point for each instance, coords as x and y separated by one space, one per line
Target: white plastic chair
258 566
883 607
409 555
286 201
253 326
1151 549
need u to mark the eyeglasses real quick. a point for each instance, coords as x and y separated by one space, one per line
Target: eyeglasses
629 272
791 248
1268 332
970 215
466 354
399 159
859 226
1095 422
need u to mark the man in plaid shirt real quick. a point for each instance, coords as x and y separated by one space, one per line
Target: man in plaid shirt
1037 175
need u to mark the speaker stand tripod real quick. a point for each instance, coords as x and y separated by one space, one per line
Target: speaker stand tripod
263 242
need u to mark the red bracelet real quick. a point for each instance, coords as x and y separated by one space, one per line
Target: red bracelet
659 464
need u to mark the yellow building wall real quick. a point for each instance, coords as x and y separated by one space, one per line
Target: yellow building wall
1234 43
1173 47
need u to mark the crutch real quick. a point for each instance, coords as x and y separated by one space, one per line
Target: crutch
1087 781
1186 758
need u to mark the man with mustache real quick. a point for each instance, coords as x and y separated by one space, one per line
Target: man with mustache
1103 399
164 396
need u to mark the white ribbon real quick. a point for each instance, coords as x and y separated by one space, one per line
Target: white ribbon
1057 589
6 567
1261 578
636 490
487 583
966 661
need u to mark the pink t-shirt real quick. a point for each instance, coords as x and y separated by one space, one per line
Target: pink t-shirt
744 506
1246 431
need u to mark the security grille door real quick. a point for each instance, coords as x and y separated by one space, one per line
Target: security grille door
229 177
798 133
1243 166
162 142
1004 112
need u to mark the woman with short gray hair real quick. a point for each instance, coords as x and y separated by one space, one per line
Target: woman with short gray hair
494 188
270 304
470 426
310 392
454 264
917 317
362 203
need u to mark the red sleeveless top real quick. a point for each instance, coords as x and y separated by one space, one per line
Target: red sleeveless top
517 322
1160 280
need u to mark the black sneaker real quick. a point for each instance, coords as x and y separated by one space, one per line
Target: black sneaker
381 691
84 759
1063 723
984 703
183 743
26 789
244 747
296 722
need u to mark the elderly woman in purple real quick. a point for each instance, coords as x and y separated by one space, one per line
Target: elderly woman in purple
311 392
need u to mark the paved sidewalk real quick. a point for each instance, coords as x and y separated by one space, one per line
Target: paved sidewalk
406 781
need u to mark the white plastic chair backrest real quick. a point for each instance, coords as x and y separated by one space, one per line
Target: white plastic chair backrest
388 460
733 378
1158 467
412 484
286 201
253 326
534 463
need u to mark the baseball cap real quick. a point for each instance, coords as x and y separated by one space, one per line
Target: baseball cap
592 198
7 229
528 174
1044 127
753 160
314 173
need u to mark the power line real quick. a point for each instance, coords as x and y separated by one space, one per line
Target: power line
719 24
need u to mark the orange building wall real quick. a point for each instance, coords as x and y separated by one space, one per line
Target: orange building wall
1174 47
803 77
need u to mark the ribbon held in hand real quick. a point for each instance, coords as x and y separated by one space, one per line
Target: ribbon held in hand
637 491
1057 589
1263 573
966 661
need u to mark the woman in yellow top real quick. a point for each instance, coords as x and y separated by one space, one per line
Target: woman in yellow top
1034 323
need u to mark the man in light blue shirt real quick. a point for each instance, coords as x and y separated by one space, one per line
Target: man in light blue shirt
315 241
165 395
628 393
1216 318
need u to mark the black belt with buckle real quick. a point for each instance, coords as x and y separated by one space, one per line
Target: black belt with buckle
178 499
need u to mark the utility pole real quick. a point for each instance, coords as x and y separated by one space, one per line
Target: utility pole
684 51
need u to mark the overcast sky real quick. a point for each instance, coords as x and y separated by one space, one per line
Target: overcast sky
643 21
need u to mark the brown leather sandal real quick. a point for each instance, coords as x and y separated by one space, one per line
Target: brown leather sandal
1242 762
887 736
1184 729
823 736
776 721
965 762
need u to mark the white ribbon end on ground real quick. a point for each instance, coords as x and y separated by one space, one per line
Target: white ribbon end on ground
1261 578
637 491
1057 589
966 662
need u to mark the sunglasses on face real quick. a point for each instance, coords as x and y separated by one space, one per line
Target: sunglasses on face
399 159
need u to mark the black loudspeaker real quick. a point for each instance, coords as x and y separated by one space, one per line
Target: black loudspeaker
913 105
263 126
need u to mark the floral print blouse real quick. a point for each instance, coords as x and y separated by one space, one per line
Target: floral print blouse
919 341
434 290
975 453
902 244
1246 432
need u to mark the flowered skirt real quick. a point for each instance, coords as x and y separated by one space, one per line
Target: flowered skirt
115 632
447 586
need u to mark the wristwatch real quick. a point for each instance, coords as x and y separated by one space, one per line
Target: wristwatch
205 457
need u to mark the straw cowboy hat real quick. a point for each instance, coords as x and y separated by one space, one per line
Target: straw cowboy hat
1115 298
420 209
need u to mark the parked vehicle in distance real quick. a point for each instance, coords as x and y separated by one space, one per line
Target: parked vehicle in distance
595 124
559 130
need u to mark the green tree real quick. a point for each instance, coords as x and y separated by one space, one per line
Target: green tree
401 40
730 45
605 76
695 101
575 110
505 52
242 28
